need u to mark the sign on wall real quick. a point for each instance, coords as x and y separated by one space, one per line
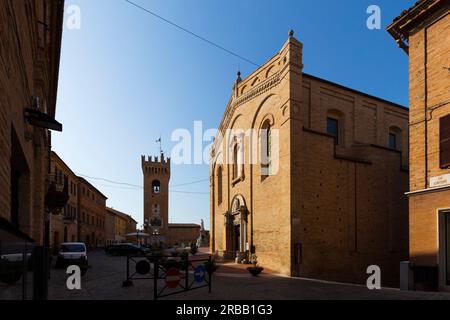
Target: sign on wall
440 181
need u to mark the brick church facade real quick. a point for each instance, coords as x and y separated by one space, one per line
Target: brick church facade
329 198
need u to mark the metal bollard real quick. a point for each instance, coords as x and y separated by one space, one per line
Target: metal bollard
40 273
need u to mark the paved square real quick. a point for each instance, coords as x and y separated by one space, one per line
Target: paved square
106 274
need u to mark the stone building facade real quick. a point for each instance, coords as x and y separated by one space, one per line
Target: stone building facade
118 225
423 31
84 218
92 214
30 45
132 225
317 188
64 226
110 227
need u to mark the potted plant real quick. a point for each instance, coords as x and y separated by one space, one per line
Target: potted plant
194 249
211 266
254 270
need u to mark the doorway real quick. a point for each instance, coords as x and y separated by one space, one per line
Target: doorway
444 249
237 238
55 242
65 234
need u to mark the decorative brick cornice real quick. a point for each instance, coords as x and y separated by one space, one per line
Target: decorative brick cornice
262 88
268 84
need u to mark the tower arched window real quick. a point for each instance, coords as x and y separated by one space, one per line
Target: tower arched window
156 187
219 185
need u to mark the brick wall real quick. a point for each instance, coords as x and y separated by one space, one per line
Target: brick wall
429 86
354 213
183 234
423 226
28 69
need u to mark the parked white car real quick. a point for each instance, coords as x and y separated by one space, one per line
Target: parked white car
12 267
72 253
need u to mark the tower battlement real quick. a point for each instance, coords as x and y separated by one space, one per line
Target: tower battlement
155 160
155 165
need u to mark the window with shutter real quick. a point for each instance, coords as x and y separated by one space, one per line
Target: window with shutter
444 142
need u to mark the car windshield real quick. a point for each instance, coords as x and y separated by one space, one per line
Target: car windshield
72 248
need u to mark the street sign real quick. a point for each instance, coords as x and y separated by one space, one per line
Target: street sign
199 274
143 267
173 278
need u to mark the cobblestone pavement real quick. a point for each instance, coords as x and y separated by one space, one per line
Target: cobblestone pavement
106 274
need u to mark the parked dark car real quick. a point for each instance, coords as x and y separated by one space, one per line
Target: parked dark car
123 249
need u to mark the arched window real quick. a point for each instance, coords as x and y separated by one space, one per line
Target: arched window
236 205
235 161
335 126
394 141
219 185
266 148
156 187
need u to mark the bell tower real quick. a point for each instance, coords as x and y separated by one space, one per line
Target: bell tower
156 172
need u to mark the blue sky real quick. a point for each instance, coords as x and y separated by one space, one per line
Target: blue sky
127 78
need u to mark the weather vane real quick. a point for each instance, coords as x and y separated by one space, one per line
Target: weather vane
160 145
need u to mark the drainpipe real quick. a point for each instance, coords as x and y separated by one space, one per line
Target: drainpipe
425 54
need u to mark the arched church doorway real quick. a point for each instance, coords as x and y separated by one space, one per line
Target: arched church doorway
237 230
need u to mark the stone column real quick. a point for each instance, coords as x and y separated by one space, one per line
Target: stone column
243 230
228 235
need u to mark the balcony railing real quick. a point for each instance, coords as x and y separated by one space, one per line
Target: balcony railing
57 195
69 218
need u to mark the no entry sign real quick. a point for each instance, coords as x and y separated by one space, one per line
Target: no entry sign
173 278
